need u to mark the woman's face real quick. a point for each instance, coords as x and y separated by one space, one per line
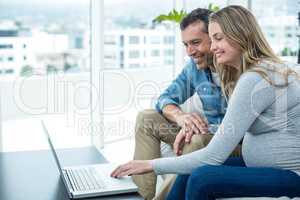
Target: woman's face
225 52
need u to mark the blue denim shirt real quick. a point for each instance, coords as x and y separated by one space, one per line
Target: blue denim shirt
192 80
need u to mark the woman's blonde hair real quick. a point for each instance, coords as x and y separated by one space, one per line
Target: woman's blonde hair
242 30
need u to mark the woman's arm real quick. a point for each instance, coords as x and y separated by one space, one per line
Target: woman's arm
251 96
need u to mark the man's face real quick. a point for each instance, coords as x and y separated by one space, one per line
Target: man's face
197 43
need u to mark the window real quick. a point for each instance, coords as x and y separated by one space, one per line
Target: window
122 55
134 54
8 33
109 39
155 53
155 39
110 56
169 52
10 58
271 35
169 62
134 65
277 20
50 77
121 40
79 43
168 39
289 28
6 46
134 40
57 76
9 71
131 21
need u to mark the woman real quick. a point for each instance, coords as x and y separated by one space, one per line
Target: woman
264 109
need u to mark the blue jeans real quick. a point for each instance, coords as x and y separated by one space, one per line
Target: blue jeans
234 179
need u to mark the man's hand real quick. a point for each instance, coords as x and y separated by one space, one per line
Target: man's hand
132 168
192 123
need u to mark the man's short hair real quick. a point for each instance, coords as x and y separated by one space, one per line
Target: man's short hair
199 14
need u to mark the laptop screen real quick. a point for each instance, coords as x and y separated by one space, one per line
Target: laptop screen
51 146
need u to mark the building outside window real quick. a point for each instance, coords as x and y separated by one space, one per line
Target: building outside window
279 22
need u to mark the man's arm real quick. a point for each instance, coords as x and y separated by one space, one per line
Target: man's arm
178 91
172 112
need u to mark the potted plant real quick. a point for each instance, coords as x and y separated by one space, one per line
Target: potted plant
177 16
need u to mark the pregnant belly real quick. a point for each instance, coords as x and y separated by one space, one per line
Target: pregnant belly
277 150
260 150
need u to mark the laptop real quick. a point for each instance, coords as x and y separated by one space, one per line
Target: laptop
90 180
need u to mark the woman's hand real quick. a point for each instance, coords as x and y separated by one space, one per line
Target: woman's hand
132 168
179 142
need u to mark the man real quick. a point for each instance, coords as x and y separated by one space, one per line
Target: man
197 77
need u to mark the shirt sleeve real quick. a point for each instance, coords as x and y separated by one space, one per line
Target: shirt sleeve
179 90
251 96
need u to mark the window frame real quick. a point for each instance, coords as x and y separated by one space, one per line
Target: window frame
97 65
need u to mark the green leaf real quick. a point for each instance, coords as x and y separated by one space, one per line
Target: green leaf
173 16
213 7
177 16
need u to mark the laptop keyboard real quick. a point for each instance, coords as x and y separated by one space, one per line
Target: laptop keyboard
85 179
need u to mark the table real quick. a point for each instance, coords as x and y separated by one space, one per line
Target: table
34 175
